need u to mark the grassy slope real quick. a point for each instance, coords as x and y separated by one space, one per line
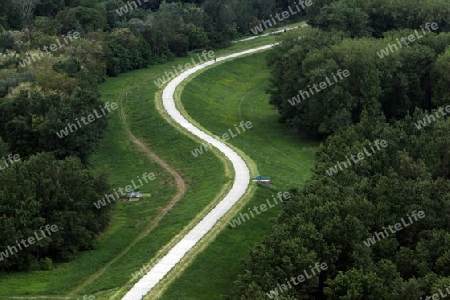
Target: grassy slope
218 99
120 157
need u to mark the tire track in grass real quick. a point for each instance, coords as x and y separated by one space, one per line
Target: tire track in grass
181 187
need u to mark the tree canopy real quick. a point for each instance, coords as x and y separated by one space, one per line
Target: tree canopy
359 219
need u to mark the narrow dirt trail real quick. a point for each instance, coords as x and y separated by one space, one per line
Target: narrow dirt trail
181 187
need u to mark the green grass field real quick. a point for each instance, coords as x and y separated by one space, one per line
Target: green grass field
205 177
218 99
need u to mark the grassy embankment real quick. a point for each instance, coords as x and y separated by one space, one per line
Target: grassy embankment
217 99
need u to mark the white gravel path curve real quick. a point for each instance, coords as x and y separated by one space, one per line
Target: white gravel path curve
240 184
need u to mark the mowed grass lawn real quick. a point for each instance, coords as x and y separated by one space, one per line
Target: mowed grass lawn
217 99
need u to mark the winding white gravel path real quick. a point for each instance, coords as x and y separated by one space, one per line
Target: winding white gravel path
267 34
241 182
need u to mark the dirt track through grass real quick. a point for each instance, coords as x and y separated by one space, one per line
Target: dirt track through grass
181 187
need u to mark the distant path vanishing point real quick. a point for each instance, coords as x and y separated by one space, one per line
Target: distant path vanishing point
240 184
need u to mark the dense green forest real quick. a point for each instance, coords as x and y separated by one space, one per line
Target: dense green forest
360 217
